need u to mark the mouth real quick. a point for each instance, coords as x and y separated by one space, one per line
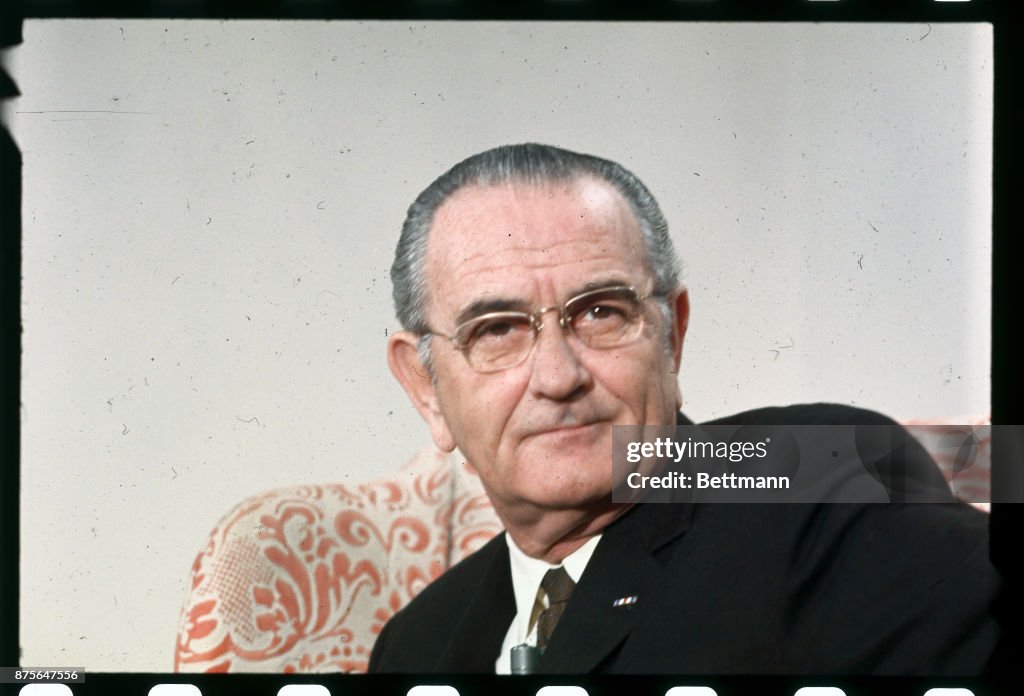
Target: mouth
568 430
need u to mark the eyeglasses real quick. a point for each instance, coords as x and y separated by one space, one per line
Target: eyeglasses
602 319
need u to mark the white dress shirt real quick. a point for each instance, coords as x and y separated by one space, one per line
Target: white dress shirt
527 573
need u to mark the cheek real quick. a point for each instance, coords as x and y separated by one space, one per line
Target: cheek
667 380
646 386
477 406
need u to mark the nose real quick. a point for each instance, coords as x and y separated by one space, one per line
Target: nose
557 372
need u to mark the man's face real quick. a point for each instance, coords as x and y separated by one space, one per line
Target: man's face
539 433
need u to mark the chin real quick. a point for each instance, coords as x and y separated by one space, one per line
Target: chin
578 494
561 477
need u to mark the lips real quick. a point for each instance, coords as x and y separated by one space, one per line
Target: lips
567 429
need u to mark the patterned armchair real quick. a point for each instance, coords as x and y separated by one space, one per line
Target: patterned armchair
302 579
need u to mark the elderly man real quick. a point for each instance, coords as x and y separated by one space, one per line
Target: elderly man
541 302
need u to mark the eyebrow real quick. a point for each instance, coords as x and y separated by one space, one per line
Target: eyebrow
486 306
505 304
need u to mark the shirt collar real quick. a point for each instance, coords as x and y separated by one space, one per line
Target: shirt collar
527 573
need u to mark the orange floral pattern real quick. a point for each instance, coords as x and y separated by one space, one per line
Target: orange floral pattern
302 580
962 447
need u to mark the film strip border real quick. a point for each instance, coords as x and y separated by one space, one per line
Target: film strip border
638 10
1007 406
439 685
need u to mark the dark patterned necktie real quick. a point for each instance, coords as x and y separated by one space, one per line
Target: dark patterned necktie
558 586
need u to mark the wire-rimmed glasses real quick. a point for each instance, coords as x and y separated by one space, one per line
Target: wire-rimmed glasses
602 319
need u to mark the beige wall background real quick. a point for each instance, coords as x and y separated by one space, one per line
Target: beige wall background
210 211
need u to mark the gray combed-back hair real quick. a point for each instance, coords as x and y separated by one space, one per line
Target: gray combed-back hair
529 164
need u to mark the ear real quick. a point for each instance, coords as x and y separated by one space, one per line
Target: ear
412 374
680 321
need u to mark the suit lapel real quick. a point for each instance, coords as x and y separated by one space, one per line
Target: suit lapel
624 569
484 621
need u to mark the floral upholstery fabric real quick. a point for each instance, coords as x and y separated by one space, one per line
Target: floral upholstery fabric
962 447
302 579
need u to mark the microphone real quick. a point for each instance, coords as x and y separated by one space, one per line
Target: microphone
524 659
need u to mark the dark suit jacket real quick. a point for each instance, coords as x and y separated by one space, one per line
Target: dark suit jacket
736 589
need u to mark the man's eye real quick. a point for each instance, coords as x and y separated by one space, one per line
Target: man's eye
499 329
604 311
495 329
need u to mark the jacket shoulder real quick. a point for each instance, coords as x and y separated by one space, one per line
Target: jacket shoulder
821 413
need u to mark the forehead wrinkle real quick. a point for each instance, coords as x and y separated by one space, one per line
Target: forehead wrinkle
491 264
539 256
492 277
